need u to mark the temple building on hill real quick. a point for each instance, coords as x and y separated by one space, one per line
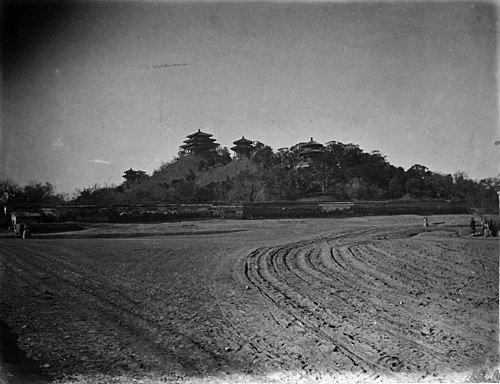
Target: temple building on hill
198 143
243 148
309 153
311 149
131 176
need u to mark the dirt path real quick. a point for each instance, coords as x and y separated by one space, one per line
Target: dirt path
308 299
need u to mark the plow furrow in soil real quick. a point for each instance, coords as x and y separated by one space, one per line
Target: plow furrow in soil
306 313
139 332
370 302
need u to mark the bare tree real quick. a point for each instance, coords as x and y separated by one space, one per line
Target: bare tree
8 191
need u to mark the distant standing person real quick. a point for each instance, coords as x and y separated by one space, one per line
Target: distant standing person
493 228
473 225
26 232
486 230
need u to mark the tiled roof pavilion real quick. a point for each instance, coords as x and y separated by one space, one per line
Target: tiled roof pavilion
199 142
311 148
243 147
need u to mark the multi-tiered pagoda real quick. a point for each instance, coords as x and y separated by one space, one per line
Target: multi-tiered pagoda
309 153
243 148
311 150
131 176
199 143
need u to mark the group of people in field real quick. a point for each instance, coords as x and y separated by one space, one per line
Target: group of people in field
488 228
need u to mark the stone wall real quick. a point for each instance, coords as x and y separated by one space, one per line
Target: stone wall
346 209
270 210
145 212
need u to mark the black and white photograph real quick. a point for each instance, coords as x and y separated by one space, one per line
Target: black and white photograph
249 192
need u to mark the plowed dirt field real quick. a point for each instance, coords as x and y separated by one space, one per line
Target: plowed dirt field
375 299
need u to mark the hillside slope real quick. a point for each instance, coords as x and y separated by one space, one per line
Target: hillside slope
221 173
179 169
197 165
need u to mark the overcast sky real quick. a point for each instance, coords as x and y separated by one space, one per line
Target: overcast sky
92 89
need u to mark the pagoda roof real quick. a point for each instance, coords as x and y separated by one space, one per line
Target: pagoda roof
209 143
309 151
129 171
312 144
237 148
243 141
199 140
199 133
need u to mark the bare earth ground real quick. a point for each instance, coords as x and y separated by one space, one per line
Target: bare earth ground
377 299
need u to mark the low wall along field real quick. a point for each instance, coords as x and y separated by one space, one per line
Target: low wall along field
145 212
350 209
256 210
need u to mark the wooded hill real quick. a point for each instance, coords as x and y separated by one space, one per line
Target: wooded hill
341 172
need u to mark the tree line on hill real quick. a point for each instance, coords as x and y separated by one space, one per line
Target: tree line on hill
343 172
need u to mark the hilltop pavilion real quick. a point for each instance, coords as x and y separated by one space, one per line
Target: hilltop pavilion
311 149
199 143
243 148
131 176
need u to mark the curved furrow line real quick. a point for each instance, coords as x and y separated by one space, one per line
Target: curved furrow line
409 265
411 293
388 275
286 320
457 257
483 268
318 264
441 258
335 259
270 304
459 273
333 318
458 267
378 273
406 314
292 270
425 279
303 310
385 323
369 234
327 264
381 273
338 299
344 289
474 259
376 343
321 286
281 300
401 323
